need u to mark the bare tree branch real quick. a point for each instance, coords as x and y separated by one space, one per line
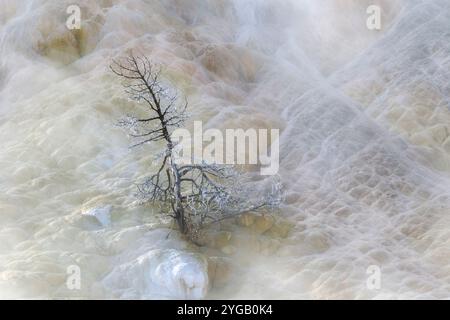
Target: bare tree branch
197 194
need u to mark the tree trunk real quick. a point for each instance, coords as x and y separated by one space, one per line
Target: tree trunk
179 209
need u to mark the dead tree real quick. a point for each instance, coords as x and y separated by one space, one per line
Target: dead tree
196 194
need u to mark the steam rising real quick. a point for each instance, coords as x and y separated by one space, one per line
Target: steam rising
364 148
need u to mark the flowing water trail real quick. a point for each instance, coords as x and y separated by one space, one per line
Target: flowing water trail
365 147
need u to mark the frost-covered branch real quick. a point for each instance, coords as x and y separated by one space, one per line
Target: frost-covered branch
196 194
